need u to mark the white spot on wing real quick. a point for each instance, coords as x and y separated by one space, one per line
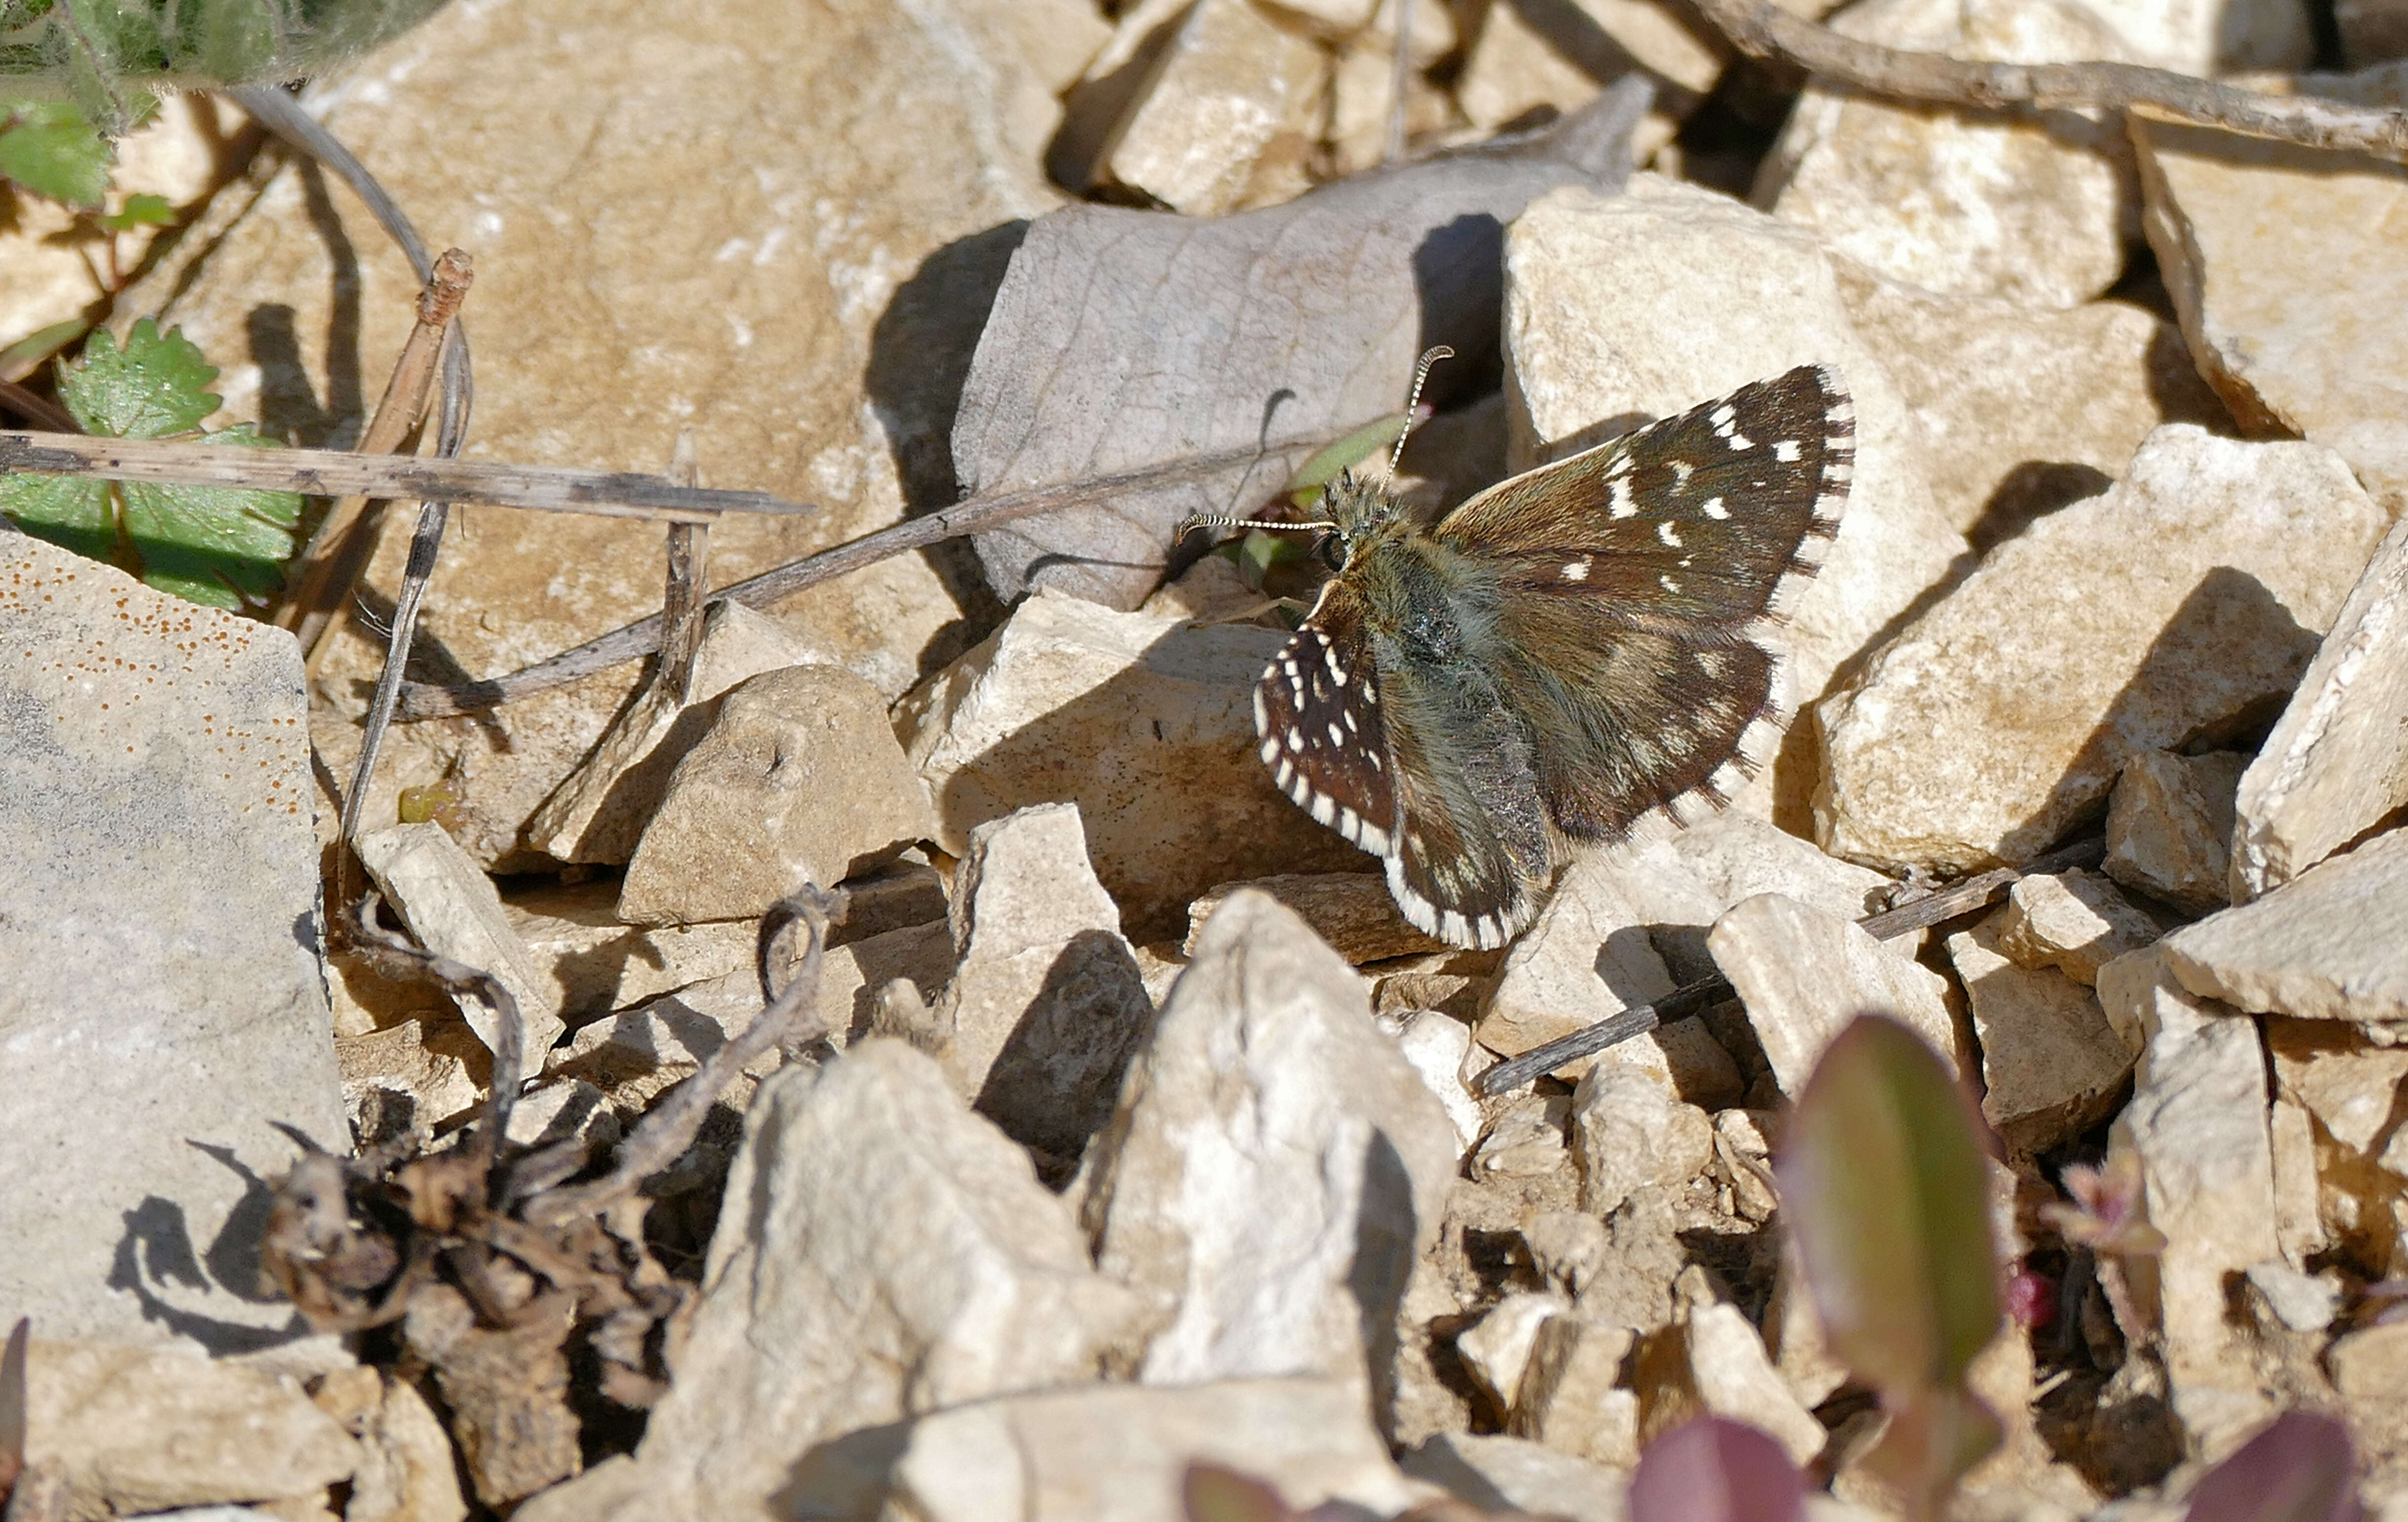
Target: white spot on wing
1668 534
1620 505
1787 451
1716 510
1577 570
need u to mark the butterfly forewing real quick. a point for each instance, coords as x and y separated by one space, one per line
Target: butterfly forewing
1317 710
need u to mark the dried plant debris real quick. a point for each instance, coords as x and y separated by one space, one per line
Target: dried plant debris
1124 337
499 1270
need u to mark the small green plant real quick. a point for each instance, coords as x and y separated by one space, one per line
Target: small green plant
215 545
51 149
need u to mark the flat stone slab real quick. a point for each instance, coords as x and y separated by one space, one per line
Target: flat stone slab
163 1005
2330 944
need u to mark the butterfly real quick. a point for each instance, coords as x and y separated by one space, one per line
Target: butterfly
1564 654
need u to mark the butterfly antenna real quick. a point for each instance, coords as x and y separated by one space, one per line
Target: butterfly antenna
1214 520
1421 375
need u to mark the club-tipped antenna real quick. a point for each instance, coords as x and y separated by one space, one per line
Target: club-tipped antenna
1214 520
1421 375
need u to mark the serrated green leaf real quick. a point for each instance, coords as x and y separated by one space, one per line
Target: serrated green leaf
144 210
156 385
52 149
213 544
70 512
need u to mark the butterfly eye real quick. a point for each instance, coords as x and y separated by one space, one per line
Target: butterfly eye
1332 551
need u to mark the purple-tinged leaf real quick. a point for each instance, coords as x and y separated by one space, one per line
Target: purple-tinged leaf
1882 1188
12 1406
1934 1438
1713 1470
1213 1494
2299 1469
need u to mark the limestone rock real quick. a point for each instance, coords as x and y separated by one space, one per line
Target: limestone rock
1743 1161
1530 61
454 910
2331 944
145 1430
2198 1123
1569 1398
1628 1135
1439 1045
1624 309
797 780
1228 100
883 1253
1495 1473
1526 1139
2297 317
2052 1067
161 1007
804 292
1046 1004
1146 723
1999 717
2170 825
1118 1453
1354 911
1732 1376
2209 40
2022 409
600 810
407 1463
597 963
1804 974
1959 202
556 1111
416 1076
2302 1301
2337 760
1274 1168
1495 1349
2073 921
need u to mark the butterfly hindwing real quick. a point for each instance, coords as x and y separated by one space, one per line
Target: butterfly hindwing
1317 710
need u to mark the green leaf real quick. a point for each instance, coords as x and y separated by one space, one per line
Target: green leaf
1332 459
1934 1438
1882 1184
51 149
213 544
70 512
145 210
154 386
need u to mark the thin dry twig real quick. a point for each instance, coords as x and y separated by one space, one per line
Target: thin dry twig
975 516
1760 30
338 556
1974 893
36 408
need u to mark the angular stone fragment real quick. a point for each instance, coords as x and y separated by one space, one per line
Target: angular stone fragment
598 962
2209 41
2173 608
2073 921
600 810
2052 1067
798 780
1624 309
2337 761
2330 944
1803 975
162 1006
2169 825
2022 409
2285 283
1495 1349
1732 1377
1526 1139
1497 1471
1438 1045
1570 1397
883 1253
1046 1003
1960 202
1274 1167
414 1076
1628 1135
407 1469
1228 98
1528 62
454 910
2198 1123
1354 911
1147 723
145 1430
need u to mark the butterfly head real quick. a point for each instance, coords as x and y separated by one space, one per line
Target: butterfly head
1355 511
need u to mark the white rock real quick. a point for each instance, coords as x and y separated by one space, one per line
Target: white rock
2206 40
2292 303
1438 1045
1274 1167
2332 943
1733 1378
1638 305
2003 713
438 1068
2337 760
1744 1158
883 1254
454 910
1494 1473
1803 975
1229 95
2299 1218
1570 1397
1147 723
2302 1301
145 1430
2052 1067
1961 202
163 1004
1046 1004
1497 1347
597 963
1628 1135
408 1468
1526 1139
798 779
556 1112
2073 921
1526 61
2169 827
2198 1123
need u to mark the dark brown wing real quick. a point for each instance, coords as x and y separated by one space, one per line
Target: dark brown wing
1317 710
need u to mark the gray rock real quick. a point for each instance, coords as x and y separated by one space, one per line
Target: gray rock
1046 1004
1570 1397
798 780
2052 1067
1526 1139
1495 1349
1628 1135
2170 828
2004 713
2337 761
163 1005
883 1254
1803 975
452 909
2330 944
2372 30
1527 58
595 962
1275 1165
1499 1473
2074 921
